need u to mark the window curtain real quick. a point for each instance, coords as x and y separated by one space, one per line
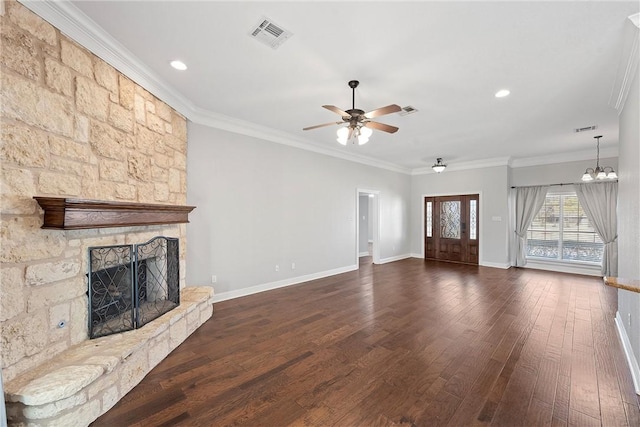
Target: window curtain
529 200
599 202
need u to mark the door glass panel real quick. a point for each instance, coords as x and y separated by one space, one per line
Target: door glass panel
450 220
429 219
473 219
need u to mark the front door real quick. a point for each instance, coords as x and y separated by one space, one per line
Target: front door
451 228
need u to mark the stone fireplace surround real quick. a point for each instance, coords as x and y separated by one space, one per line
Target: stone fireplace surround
83 382
72 126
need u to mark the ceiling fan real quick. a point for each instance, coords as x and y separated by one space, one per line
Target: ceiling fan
359 122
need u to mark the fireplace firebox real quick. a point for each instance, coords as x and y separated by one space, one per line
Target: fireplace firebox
131 285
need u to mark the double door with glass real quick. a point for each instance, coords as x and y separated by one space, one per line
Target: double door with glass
451 228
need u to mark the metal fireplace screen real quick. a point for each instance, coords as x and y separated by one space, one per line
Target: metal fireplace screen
130 285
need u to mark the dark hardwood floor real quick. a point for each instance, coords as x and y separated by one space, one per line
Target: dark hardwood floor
410 343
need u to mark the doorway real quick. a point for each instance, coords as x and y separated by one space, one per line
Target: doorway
367 226
451 228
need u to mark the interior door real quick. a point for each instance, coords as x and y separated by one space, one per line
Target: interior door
451 228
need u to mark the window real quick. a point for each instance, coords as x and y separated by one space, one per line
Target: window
561 231
473 219
429 219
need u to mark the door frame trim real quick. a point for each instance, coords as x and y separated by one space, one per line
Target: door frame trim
374 216
457 193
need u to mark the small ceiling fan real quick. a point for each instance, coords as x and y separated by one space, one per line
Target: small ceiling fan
359 122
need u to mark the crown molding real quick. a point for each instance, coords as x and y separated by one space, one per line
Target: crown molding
474 164
610 152
628 64
230 124
574 156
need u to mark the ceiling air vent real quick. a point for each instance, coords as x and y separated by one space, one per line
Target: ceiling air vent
585 129
407 110
265 31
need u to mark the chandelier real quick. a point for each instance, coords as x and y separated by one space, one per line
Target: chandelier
354 130
599 173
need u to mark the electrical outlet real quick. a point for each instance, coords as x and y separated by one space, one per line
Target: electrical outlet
293 265
277 267
214 279
629 319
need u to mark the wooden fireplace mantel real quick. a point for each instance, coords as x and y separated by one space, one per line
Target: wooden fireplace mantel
72 214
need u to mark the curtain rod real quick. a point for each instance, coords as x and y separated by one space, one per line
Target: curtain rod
563 183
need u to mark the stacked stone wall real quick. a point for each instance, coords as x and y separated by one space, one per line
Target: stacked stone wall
71 126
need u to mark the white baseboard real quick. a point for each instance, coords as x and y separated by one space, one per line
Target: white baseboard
361 254
394 258
416 255
504 265
628 352
280 283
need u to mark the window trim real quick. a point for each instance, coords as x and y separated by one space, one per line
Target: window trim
564 267
559 261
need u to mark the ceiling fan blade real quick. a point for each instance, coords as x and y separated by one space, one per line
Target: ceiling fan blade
393 108
322 125
336 110
381 126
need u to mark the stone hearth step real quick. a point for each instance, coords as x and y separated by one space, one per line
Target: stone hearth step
82 383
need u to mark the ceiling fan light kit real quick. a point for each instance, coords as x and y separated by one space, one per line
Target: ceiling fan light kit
365 134
599 173
359 124
361 133
438 166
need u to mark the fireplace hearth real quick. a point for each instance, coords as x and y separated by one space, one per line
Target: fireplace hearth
131 285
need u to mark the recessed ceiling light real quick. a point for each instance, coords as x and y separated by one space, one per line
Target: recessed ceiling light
178 65
502 93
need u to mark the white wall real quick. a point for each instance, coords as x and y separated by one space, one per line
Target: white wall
492 184
629 217
363 221
259 204
370 209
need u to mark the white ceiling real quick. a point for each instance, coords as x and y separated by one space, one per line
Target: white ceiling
446 59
